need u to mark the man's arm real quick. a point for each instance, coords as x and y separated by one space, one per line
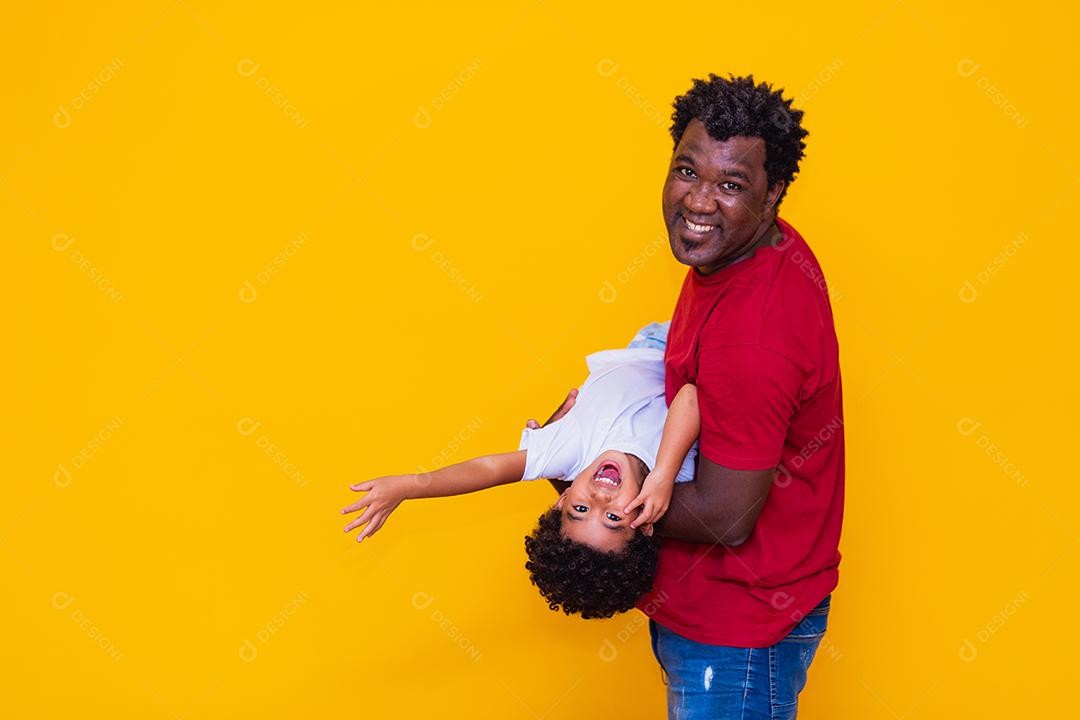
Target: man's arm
747 397
721 505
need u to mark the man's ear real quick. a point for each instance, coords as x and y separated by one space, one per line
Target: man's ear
647 529
559 503
773 194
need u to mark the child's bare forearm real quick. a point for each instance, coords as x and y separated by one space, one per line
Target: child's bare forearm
384 494
469 476
680 431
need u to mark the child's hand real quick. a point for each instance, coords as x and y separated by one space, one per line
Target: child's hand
383 496
654 498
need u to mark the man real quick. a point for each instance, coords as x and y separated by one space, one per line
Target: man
749 552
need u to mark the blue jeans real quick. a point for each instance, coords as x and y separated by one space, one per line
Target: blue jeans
720 682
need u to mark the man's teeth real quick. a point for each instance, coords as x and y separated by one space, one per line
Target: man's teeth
698 228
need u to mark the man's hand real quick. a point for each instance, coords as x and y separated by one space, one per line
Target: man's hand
654 498
384 494
571 398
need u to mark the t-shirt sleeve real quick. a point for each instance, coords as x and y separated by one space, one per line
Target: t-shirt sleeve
551 451
747 396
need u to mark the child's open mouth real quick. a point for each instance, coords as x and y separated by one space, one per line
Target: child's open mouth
608 474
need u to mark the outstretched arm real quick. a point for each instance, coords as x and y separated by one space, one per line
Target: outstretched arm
384 494
469 476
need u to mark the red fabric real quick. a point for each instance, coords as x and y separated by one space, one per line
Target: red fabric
757 339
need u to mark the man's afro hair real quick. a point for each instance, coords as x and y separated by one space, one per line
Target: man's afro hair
580 579
738 106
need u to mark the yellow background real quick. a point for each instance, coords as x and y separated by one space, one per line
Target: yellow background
258 253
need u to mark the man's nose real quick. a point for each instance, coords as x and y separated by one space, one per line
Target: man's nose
700 201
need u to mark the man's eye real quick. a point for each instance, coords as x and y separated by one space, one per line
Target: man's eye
735 187
685 172
613 517
581 508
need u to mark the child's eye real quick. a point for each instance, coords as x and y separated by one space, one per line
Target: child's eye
581 508
613 517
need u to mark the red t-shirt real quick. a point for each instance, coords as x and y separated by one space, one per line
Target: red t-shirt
757 339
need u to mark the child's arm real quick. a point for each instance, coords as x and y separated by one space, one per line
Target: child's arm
384 494
681 429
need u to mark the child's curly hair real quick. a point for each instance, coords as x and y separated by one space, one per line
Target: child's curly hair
581 579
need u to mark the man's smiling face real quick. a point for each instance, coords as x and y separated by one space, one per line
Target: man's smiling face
717 203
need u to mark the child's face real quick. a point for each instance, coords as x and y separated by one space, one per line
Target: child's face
592 507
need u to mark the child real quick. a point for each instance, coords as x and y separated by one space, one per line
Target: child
623 448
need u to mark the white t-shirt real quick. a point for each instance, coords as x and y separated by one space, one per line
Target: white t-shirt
620 406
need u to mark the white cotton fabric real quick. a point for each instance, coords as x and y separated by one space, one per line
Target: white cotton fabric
620 406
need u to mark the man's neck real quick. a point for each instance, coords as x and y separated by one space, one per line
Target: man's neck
766 235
